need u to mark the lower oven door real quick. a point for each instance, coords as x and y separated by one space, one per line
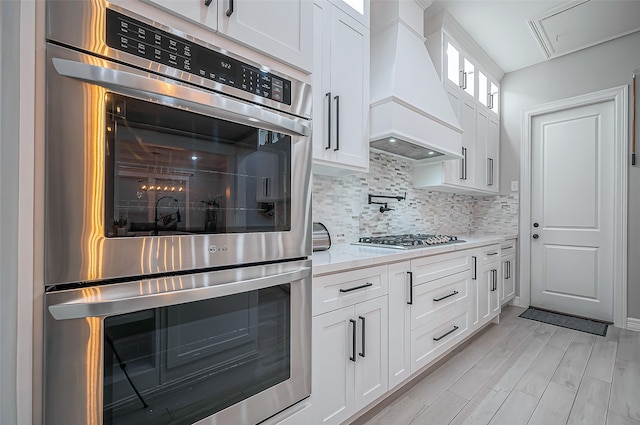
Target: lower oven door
223 347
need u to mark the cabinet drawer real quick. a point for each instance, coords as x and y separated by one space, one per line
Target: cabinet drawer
437 266
508 247
433 339
487 254
339 290
431 300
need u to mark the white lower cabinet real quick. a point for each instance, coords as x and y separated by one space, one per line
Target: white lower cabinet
350 351
486 288
509 270
399 323
376 327
430 341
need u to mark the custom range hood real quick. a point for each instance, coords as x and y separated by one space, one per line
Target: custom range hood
410 113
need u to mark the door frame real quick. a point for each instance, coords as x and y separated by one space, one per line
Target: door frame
619 96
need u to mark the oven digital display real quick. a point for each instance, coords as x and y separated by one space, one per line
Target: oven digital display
129 35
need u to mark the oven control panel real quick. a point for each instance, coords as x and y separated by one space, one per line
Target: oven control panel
129 35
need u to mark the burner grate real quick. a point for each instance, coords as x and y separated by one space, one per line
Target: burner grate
407 241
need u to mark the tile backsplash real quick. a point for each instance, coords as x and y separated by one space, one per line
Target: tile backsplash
340 203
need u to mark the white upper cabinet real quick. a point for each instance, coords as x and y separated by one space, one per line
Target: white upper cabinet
474 96
282 29
340 92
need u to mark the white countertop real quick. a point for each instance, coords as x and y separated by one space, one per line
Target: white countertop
345 256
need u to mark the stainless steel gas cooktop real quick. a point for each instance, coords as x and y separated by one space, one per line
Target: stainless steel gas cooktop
407 241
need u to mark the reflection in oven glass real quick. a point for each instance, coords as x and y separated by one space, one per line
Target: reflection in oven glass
171 171
179 364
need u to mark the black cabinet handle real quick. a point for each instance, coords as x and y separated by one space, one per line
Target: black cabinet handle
490 254
230 9
463 164
353 340
474 260
328 96
455 328
337 99
361 354
366 285
410 302
509 269
207 2
535 236
446 296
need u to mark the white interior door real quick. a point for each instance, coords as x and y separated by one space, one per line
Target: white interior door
572 211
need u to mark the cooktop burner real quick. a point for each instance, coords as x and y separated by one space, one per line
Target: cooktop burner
407 241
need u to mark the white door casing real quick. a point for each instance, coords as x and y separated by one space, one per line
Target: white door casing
583 219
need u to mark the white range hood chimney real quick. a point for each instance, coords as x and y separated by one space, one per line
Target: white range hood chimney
410 113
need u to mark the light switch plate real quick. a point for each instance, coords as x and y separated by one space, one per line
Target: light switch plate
514 185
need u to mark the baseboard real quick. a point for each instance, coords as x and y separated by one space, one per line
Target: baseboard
516 302
633 324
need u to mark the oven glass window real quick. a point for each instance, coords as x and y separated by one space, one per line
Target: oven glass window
179 364
170 171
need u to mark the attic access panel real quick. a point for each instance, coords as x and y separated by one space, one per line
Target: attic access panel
577 25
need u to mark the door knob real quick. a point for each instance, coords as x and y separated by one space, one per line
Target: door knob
536 225
535 236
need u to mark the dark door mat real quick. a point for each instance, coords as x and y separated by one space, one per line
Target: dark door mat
564 321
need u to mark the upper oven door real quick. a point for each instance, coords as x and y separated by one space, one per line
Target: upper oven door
147 175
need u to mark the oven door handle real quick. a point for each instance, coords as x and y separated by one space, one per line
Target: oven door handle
96 307
175 94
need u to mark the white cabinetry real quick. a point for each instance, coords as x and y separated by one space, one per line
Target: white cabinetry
350 342
486 291
428 310
508 257
473 97
281 29
340 92
400 302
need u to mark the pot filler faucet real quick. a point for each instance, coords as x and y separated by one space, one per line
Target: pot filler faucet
384 206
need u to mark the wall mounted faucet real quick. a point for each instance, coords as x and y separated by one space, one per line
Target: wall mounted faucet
384 206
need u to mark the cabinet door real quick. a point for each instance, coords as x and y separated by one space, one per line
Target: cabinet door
280 28
462 171
508 280
322 99
372 361
195 11
493 148
484 293
400 295
333 363
481 158
349 90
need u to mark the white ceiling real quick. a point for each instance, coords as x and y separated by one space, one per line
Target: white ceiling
501 27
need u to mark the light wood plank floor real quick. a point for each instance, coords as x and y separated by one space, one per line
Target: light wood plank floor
526 372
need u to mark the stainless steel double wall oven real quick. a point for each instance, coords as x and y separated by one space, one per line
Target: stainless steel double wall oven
178 226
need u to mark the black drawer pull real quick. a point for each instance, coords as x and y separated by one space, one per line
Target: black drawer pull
492 253
455 328
361 354
446 296
410 302
366 285
353 340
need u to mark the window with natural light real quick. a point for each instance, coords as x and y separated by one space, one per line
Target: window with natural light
453 64
483 89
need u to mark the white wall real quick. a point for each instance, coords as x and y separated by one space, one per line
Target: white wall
600 67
